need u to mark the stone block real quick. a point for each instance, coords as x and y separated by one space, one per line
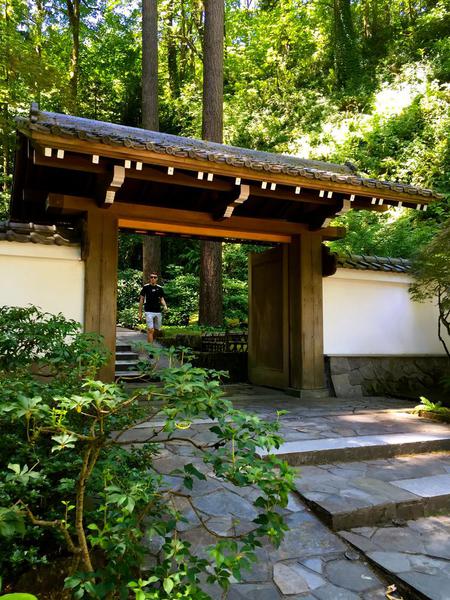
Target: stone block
339 365
343 387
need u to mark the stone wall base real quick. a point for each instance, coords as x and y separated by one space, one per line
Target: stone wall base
402 376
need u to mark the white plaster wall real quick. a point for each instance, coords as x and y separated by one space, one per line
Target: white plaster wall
371 313
51 277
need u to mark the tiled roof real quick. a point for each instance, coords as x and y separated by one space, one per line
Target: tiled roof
38 234
140 139
373 263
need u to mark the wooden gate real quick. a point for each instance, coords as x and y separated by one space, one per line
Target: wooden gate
268 340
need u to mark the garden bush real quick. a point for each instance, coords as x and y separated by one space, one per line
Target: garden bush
181 292
69 486
129 286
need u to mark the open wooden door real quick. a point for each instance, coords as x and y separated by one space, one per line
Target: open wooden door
268 335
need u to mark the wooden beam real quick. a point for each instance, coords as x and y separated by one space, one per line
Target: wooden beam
192 164
187 219
146 173
100 251
306 314
199 231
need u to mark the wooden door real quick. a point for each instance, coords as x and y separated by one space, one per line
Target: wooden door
268 341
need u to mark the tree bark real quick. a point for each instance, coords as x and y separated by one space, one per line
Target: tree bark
151 245
211 301
73 12
151 255
212 122
211 294
150 119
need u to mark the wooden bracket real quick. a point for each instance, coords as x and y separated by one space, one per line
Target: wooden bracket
244 192
110 186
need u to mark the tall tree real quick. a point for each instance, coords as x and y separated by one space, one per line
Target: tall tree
211 296
347 63
151 245
73 13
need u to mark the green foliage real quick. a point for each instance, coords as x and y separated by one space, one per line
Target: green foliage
433 408
18 596
31 339
129 286
69 485
181 292
431 270
397 234
235 300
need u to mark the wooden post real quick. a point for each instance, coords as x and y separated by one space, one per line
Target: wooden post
307 373
100 294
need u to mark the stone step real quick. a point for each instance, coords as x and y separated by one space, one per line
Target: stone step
126 365
363 447
120 347
131 374
367 493
127 355
414 556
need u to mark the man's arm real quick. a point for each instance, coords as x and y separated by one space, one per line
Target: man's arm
162 300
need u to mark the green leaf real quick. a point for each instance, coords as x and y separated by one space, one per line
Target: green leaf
168 585
189 468
11 522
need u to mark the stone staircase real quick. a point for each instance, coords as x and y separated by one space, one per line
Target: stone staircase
126 362
388 495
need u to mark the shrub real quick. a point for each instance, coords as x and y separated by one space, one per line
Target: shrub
30 338
129 286
235 300
68 479
128 317
181 295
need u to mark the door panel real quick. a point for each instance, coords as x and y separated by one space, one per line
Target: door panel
268 343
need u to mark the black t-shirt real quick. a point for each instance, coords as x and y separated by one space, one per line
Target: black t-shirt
152 295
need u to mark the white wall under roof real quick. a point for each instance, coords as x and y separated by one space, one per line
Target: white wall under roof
371 313
51 277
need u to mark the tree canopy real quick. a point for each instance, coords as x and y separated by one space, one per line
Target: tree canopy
365 81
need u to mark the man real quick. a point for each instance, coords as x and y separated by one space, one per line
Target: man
152 299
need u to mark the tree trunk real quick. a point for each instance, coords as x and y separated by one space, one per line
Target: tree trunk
73 11
211 301
212 122
151 255
150 118
151 245
211 294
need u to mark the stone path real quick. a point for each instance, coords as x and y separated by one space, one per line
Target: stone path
369 492
312 563
358 481
416 555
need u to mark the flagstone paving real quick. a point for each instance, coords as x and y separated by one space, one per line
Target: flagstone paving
313 562
416 555
369 492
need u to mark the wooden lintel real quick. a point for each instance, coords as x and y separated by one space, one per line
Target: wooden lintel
203 231
185 218
192 164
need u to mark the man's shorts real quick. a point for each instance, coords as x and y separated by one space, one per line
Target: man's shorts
154 320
